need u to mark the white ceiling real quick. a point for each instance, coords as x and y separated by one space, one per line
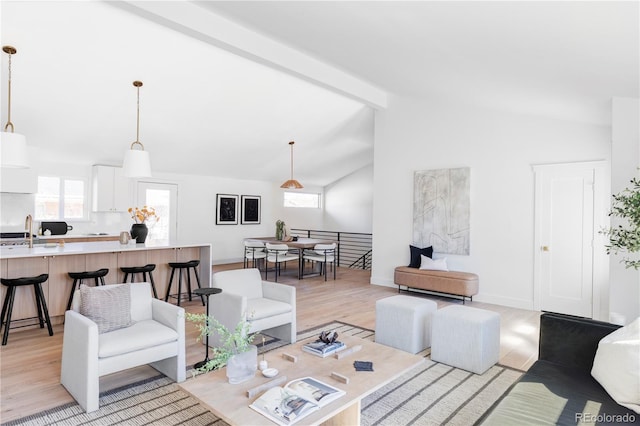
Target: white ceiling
563 59
207 111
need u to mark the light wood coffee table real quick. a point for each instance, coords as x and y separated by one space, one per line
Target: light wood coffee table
230 402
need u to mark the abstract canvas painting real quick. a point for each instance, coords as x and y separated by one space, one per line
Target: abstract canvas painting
441 210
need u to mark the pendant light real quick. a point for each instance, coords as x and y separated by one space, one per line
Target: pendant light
291 183
13 146
136 161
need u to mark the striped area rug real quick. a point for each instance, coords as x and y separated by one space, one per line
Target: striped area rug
431 394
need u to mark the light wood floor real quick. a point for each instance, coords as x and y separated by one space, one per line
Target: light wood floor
30 362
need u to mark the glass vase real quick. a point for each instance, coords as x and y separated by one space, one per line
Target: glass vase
243 366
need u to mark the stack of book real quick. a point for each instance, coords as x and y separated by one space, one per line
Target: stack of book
323 349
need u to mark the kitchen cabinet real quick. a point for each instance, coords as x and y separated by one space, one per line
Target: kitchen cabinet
161 259
111 189
60 282
131 258
109 261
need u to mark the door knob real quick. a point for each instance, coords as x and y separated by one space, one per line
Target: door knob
545 248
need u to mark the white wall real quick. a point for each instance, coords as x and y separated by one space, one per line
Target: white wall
301 218
349 202
500 148
624 301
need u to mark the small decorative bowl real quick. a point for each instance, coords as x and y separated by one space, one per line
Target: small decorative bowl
270 372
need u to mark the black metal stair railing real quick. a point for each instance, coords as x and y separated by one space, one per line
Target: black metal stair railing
354 248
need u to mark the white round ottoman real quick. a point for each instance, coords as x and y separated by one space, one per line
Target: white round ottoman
404 322
465 337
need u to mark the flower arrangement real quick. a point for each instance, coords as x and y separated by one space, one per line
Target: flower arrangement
141 215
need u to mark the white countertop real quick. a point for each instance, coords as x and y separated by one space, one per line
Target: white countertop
72 236
14 252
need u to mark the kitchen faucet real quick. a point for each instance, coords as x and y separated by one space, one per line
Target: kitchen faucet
28 225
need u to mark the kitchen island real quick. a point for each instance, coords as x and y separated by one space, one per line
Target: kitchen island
59 259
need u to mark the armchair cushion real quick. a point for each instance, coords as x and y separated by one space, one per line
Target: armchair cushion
263 308
141 335
108 306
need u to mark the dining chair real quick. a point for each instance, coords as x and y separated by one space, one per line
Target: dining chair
278 254
323 254
253 253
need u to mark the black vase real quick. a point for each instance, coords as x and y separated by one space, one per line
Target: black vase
139 231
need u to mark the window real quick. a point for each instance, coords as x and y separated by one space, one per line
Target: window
60 198
302 199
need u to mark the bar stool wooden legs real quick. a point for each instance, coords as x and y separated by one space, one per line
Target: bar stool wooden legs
144 270
79 277
7 306
185 267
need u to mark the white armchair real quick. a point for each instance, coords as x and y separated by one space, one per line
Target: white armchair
156 337
268 307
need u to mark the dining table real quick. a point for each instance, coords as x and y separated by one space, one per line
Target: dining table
300 243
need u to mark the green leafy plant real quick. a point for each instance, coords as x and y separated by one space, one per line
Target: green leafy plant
625 238
279 229
233 342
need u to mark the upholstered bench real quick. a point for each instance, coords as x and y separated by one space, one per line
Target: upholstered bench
404 322
465 337
463 284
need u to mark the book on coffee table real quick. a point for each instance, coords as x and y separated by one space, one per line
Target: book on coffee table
323 349
297 399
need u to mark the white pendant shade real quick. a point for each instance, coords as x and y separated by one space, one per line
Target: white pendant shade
13 151
137 164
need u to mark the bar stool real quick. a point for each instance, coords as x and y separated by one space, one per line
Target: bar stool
7 306
133 270
87 275
183 267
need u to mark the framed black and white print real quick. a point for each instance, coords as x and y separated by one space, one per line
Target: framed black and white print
250 209
226 209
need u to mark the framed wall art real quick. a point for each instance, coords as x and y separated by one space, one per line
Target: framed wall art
250 209
226 209
441 210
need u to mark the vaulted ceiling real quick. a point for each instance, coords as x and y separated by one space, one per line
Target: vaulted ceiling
228 103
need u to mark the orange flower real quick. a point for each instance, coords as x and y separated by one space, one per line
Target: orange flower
140 215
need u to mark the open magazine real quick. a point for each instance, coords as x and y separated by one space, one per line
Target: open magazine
297 399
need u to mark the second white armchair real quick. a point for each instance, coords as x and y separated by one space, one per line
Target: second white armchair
268 307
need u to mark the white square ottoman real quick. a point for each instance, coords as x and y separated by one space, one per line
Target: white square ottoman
465 337
404 322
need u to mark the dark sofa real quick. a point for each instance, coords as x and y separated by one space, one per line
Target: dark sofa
558 389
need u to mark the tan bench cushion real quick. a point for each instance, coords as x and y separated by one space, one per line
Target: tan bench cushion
452 282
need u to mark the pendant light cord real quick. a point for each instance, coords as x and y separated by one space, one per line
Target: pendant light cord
9 50
138 116
291 144
137 84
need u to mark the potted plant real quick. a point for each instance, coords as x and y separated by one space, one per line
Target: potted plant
625 237
236 353
279 230
140 216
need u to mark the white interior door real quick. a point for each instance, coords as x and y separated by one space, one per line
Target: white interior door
566 227
164 198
